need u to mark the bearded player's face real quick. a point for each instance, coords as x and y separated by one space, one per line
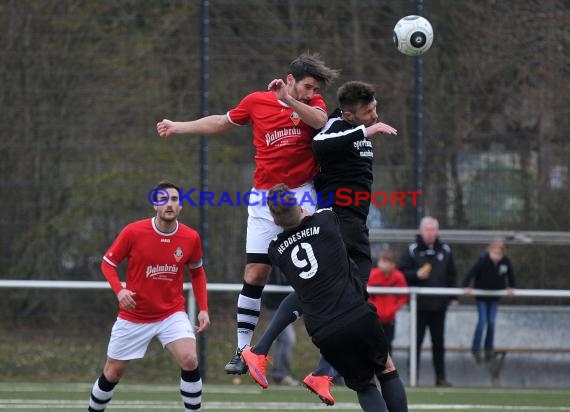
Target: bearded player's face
303 90
170 206
366 114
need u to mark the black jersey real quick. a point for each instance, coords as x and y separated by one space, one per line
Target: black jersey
314 259
489 275
345 154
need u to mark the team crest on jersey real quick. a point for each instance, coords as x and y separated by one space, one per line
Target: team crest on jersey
178 254
440 256
295 118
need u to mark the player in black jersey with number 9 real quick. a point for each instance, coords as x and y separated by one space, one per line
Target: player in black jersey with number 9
344 327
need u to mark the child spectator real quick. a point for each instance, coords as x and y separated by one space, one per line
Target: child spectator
386 274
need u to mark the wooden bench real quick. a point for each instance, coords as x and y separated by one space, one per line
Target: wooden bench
499 355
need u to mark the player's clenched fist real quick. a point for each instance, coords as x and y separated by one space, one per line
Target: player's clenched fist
166 128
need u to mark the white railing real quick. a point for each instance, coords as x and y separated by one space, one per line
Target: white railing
236 287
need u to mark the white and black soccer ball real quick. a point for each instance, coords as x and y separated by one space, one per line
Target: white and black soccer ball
413 35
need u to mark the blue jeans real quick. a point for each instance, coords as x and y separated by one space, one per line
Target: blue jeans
487 310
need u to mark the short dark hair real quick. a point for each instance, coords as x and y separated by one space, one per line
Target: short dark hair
283 206
163 184
352 94
311 65
167 184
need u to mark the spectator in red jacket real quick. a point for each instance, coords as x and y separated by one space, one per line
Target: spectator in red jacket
386 274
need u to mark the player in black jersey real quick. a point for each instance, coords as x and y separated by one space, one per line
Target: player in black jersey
345 328
344 151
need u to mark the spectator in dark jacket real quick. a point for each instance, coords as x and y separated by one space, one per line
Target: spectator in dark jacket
491 271
429 263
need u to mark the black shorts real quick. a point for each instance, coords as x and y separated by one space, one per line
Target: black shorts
358 351
355 235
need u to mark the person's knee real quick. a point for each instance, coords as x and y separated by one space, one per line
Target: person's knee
188 361
390 366
256 274
113 372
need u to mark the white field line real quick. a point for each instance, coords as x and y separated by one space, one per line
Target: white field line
241 389
85 387
14 404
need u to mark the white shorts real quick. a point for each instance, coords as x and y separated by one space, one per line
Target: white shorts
260 227
129 340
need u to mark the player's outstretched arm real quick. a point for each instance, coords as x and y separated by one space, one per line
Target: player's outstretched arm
213 124
380 128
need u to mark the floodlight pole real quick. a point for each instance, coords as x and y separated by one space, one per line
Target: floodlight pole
204 75
418 175
419 188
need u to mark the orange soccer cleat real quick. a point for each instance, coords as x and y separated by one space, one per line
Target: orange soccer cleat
320 386
257 365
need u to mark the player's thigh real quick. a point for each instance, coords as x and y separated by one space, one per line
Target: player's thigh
176 326
176 334
130 340
260 232
260 226
390 365
184 353
358 351
356 238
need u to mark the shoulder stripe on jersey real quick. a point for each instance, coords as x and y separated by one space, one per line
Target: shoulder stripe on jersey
328 125
109 261
195 265
446 247
323 135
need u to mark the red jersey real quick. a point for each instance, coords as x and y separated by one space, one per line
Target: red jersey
155 268
387 305
282 141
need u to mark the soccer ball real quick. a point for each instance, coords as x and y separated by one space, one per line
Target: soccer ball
413 35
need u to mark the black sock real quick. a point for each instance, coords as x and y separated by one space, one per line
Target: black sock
288 312
324 368
371 400
101 394
190 376
393 391
191 389
248 309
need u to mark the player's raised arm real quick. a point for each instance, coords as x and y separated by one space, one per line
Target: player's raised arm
213 124
379 127
313 116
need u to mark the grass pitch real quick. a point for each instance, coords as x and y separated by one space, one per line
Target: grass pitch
249 397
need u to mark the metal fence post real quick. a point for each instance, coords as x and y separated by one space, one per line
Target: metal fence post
413 336
192 307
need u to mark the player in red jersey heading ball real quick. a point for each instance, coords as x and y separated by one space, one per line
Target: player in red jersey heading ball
284 120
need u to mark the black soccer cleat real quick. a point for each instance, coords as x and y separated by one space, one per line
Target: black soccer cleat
236 365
